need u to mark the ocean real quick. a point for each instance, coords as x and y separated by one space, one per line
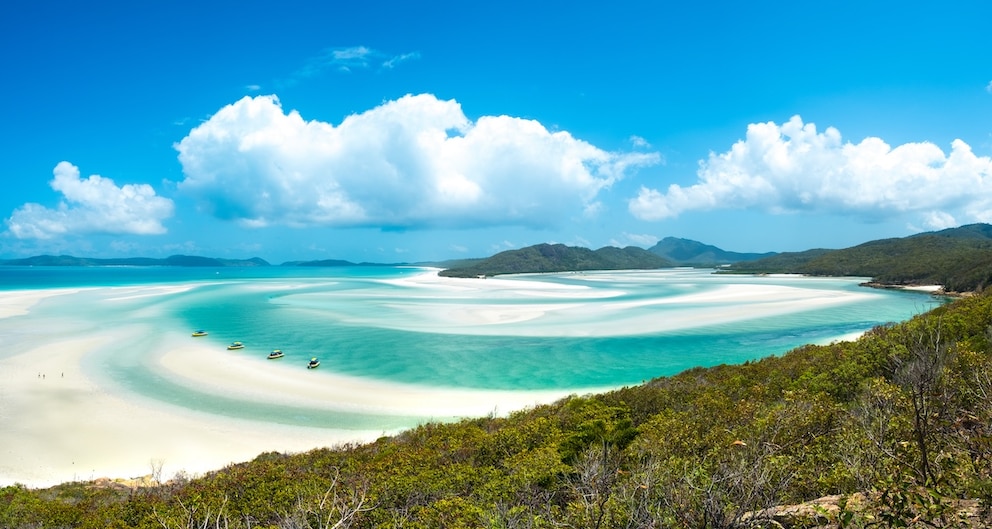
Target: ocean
563 332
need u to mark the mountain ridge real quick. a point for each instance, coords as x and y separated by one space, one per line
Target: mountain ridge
690 252
544 258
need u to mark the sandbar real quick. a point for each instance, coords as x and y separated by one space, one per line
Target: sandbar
62 424
17 302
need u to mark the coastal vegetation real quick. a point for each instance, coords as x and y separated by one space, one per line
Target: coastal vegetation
543 258
686 252
891 430
959 259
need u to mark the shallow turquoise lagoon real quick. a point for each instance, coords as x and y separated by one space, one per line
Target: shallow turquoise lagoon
530 332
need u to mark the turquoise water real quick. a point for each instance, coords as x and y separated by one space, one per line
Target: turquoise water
557 331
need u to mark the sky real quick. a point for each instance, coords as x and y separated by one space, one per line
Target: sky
417 131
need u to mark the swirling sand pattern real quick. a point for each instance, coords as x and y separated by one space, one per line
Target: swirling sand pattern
100 380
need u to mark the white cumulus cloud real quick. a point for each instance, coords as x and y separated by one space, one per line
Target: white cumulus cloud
793 167
410 163
91 205
939 220
637 239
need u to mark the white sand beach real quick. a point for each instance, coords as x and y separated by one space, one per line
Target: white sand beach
61 423
18 302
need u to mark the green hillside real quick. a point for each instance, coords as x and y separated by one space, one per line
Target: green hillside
560 258
689 252
785 262
893 430
960 259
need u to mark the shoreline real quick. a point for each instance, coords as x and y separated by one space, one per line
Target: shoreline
933 290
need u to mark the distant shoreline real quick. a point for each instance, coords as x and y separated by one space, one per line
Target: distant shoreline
935 290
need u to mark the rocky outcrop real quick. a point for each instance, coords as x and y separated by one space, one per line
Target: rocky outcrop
857 510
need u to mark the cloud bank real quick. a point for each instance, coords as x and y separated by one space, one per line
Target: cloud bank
794 168
415 162
91 205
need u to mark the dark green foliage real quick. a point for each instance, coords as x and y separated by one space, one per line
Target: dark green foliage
960 259
543 258
899 422
692 253
786 262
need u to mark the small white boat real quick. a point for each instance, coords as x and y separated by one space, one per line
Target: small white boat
276 353
313 363
235 345
199 332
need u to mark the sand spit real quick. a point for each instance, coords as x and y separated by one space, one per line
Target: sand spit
61 425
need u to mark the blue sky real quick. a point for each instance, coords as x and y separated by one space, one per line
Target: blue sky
411 131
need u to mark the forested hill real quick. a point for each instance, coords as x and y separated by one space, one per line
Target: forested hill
175 260
960 259
695 253
560 258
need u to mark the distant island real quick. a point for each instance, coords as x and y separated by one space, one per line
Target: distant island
560 258
199 261
174 260
543 258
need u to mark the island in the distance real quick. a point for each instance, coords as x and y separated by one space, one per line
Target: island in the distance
174 260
